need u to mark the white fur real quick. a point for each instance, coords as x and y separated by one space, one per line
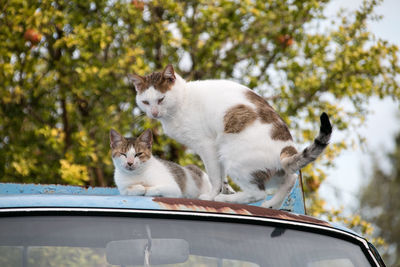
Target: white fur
153 178
193 114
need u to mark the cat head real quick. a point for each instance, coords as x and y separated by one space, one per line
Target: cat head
130 154
158 93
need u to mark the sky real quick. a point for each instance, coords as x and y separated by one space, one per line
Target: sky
354 166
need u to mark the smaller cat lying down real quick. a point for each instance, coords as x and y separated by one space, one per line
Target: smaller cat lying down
138 172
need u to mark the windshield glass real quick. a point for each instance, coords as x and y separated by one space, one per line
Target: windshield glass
124 241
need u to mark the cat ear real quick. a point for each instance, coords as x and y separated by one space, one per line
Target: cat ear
147 137
115 138
137 80
169 73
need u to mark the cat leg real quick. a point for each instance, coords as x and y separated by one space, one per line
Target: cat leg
226 188
214 170
251 192
284 189
243 197
163 191
134 190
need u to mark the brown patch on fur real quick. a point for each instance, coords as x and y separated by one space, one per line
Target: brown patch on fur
281 132
257 100
197 174
237 118
268 115
264 111
260 177
155 79
288 151
178 173
279 173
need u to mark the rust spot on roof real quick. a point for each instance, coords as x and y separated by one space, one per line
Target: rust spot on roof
220 207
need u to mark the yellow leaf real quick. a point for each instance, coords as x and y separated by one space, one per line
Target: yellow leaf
73 173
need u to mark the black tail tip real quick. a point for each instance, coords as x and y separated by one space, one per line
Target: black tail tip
326 126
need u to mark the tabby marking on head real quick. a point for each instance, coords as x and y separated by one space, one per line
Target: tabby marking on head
161 81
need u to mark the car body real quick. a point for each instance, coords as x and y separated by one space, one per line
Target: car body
54 225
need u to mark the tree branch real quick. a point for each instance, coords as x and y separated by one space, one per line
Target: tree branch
67 130
100 175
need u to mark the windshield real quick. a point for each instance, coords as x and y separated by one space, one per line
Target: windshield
124 241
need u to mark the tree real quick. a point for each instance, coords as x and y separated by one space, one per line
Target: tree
63 67
379 203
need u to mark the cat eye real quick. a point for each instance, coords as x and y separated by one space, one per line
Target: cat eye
161 100
123 154
138 154
145 102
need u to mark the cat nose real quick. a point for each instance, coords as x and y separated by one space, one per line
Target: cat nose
129 163
154 112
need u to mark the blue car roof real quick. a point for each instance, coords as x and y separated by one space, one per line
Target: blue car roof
294 202
62 196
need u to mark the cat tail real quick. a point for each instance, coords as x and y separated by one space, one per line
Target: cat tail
292 161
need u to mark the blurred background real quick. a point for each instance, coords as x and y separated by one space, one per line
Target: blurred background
63 86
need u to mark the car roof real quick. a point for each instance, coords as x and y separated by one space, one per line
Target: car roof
61 196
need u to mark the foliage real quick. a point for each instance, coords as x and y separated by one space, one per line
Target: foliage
379 203
63 67
52 256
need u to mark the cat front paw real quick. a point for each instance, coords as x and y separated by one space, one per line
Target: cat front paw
135 190
153 192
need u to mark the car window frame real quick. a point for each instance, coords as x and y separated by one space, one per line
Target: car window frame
204 216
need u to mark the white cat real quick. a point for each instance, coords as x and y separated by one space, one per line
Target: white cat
138 172
234 131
